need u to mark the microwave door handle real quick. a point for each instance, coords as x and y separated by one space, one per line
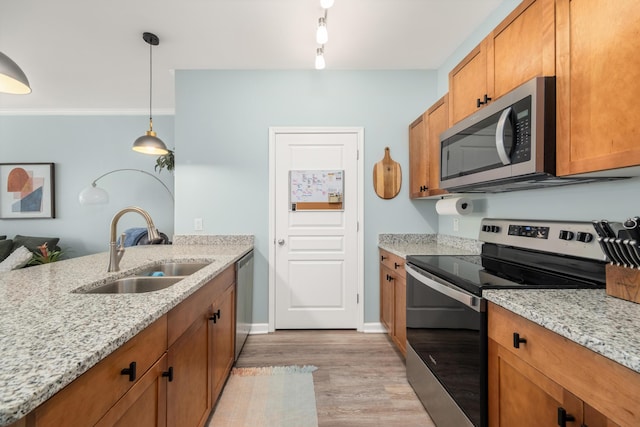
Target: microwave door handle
502 153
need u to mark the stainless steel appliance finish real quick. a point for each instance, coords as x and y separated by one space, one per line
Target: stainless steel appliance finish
244 300
446 314
508 145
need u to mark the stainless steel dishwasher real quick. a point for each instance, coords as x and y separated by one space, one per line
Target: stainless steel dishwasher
244 300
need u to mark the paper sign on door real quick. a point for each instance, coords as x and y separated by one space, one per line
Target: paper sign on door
316 190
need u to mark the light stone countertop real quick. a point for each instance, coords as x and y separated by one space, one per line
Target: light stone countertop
602 323
427 244
51 335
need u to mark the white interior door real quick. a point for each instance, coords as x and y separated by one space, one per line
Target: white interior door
315 252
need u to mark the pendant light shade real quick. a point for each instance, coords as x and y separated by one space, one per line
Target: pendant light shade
149 143
12 78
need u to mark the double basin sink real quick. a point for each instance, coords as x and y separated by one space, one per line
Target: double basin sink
153 278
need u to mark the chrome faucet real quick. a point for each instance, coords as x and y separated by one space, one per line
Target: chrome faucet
116 253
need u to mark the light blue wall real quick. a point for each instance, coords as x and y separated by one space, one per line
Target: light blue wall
83 148
222 122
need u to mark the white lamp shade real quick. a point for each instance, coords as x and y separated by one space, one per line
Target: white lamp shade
93 195
326 4
12 78
322 35
320 64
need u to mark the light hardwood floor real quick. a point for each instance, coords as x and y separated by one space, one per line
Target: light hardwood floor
360 379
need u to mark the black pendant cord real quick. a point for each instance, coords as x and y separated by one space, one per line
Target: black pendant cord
150 84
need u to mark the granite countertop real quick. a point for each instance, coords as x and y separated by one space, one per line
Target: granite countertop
607 325
427 244
51 335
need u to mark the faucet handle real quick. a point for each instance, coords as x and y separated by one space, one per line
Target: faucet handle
122 237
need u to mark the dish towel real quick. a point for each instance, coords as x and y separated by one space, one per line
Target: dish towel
132 235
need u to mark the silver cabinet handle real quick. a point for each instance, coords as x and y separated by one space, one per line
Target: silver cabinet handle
281 242
502 153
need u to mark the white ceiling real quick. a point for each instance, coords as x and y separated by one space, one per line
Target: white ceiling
89 55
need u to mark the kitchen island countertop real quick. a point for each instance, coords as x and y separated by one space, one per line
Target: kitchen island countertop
51 335
604 324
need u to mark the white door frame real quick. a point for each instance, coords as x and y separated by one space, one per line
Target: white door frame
273 131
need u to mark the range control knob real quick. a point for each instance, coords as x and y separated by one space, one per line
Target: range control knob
495 229
584 237
566 235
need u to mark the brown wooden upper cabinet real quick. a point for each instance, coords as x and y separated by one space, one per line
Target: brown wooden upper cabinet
418 158
424 150
598 85
520 48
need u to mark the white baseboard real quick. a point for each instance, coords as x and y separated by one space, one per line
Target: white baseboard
374 328
259 328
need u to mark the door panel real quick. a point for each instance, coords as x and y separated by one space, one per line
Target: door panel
316 251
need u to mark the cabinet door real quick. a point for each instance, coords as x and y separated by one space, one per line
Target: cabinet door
144 405
418 159
520 395
400 314
598 85
188 395
468 84
222 335
437 122
386 298
522 47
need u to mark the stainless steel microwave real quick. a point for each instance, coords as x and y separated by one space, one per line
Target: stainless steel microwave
508 145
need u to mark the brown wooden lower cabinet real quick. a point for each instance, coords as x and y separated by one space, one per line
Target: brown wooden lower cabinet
169 375
223 342
393 289
548 380
144 405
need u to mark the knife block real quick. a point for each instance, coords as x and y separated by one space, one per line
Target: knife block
623 283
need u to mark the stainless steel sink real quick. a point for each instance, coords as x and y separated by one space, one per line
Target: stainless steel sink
134 285
173 269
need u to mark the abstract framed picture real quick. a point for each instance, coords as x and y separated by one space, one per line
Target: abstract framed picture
27 190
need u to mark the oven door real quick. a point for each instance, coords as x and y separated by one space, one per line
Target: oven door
447 349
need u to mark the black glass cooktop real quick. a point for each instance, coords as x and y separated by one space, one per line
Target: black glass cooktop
500 267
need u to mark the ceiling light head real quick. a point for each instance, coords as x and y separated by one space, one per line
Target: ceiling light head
322 35
12 78
320 64
326 4
149 143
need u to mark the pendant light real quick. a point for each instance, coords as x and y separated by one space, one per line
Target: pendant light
322 35
149 143
12 78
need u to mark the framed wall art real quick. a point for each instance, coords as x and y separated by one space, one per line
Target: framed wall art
27 190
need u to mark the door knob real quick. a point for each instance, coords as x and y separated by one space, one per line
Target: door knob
281 242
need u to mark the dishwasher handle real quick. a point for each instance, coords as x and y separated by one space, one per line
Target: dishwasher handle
445 288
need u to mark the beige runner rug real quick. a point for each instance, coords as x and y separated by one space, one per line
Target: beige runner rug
275 396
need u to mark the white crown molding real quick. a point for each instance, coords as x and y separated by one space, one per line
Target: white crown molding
86 112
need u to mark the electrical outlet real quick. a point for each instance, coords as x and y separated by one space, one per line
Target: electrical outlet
197 224
456 224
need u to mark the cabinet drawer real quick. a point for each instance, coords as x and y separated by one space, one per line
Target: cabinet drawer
197 305
101 386
612 391
392 262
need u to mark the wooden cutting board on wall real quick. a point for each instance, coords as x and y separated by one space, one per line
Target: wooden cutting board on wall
387 177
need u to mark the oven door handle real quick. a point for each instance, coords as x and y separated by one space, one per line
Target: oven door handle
443 287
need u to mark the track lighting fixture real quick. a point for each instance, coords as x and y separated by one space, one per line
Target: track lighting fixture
322 36
326 4
320 64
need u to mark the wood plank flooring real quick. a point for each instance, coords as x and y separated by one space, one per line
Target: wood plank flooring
360 379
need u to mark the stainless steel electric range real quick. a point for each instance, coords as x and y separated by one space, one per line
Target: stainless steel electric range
446 313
